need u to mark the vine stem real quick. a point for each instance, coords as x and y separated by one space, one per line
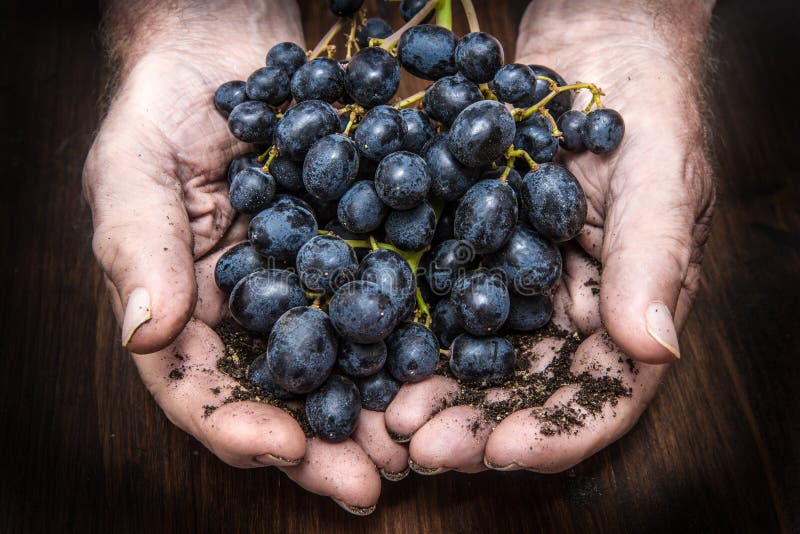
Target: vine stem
351 37
522 114
327 38
513 153
472 16
413 99
444 14
390 42
270 154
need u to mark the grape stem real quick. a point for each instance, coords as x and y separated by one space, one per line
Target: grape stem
351 37
390 42
413 99
472 16
327 38
546 114
422 307
513 153
444 14
488 94
270 154
509 165
522 114
444 352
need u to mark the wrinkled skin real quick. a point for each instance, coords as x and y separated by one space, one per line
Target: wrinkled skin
650 204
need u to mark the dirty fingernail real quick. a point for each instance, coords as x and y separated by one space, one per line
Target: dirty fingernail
422 470
355 510
661 327
278 461
137 312
510 467
394 477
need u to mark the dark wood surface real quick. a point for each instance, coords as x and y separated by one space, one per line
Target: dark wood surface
84 448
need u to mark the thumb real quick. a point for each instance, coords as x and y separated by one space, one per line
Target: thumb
647 249
143 243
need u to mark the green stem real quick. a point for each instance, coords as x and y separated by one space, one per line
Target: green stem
327 38
472 16
444 14
413 99
522 114
513 153
422 307
390 42
272 152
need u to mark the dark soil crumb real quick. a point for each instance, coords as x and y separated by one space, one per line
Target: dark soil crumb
176 374
209 409
216 390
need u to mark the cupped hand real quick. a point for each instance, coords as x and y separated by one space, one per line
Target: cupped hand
650 205
155 180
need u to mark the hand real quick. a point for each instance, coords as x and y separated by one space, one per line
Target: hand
155 180
649 203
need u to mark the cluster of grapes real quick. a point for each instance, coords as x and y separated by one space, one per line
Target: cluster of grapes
463 194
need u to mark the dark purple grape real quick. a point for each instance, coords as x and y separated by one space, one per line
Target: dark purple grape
228 96
484 360
450 179
448 262
252 122
362 312
373 77
412 353
259 298
445 323
345 8
269 84
280 231
411 229
528 313
409 8
393 275
419 130
236 263
324 210
287 173
513 178
444 227
325 263
479 56
285 199
259 373
374 28
530 262
515 83
481 133
555 202
250 159
603 130
448 97
332 411
319 79
330 167
360 210
301 127
377 390
558 105
360 360
402 180
427 51
571 126
287 56
380 132
251 190
486 215
480 302
535 136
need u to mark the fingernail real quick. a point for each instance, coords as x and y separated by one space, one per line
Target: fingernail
137 312
394 477
422 470
278 461
397 438
355 510
510 467
661 328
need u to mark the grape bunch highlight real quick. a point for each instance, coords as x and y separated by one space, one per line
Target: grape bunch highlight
391 240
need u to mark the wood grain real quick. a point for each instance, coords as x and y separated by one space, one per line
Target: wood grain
85 448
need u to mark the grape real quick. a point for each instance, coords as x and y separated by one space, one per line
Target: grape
480 302
562 101
485 360
319 79
373 77
360 360
450 179
251 190
287 173
513 178
374 28
427 51
280 231
228 96
360 210
444 227
393 275
325 263
412 353
535 136
362 312
481 133
515 83
531 263
259 373
419 130
323 210
479 56
269 84
345 8
236 263
377 390
402 180
449 261
250 159
332 411
330 167
284 199
528 313
252 122
287 56
409 8
445 323
411 229
555 201
449 96
302 125
486 215
603 130
259 298
571 126
380 132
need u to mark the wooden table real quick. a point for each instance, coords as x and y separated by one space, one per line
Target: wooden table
84 447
